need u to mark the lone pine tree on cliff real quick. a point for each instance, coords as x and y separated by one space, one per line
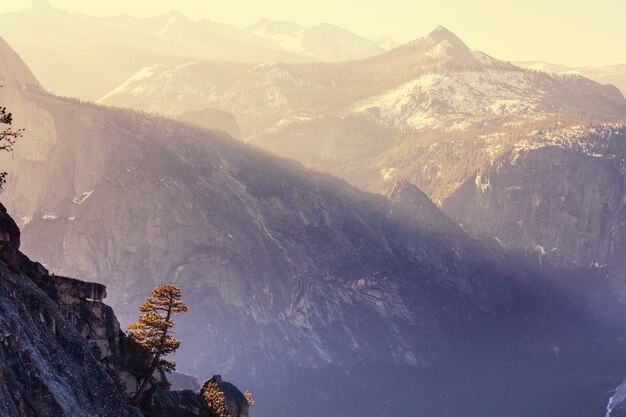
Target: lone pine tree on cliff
152 330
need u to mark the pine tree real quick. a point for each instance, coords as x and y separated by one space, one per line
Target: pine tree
152 330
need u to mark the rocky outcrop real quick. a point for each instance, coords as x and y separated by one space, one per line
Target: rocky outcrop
234 399
81 304
46 367
186 403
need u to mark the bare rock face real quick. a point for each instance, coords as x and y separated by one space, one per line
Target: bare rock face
567 204
61 347
81 303
185 403
47 368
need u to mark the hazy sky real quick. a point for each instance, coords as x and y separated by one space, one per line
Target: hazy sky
574 32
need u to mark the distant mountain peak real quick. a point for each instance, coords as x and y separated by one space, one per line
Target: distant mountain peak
176 15
173 18
440 34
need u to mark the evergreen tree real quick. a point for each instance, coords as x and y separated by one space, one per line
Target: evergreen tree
152 330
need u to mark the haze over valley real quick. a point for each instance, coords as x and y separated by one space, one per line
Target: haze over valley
358 226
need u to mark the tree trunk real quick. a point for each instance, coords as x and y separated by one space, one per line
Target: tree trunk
144 385
155 362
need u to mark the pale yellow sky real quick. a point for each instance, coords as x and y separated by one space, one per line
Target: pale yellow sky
572 32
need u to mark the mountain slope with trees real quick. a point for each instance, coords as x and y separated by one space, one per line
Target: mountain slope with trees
429 112
284 266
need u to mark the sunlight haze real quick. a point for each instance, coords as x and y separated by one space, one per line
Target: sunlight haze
363 208
556 31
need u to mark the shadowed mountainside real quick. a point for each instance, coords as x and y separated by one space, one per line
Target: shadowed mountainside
289 273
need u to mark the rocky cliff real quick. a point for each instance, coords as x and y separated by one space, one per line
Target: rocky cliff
62 352
560 196
47 368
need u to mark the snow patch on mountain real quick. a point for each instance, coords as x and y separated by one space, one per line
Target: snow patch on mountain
446 100
589 141
323 42
84 196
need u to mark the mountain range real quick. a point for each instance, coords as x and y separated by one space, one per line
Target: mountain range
111 49
300 285
529 160
430 111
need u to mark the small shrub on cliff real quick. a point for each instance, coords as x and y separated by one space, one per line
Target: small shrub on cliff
214 401
249 398
152 330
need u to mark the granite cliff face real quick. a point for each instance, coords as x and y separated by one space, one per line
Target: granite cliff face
47 368
265 250
561 196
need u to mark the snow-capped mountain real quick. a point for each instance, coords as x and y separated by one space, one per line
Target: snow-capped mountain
323 42
375 113
105 51
433 82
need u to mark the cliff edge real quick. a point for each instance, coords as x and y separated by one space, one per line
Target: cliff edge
62 352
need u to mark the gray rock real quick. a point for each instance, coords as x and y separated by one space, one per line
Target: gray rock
566 205
234 399
46 367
